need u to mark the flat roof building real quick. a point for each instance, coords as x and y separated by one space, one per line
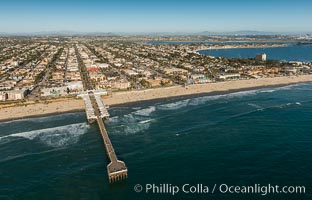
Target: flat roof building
261 57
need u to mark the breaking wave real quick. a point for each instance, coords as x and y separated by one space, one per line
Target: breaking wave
267 91
140 119
113 120
145 112
202 100
254 105
56 136
46 118
175 105
132 123
287 105
135 128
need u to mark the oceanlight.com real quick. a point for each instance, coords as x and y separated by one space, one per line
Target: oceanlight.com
263 190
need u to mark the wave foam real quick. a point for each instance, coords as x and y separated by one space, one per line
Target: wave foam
146 111
175 105
56 136
135 128
132 123
267 91
203 100
140 120
113 120
130 128
254 106
145 121
242 93
45 118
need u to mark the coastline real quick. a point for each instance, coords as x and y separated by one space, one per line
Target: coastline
213 93
203 89
242 47
41 109
133 97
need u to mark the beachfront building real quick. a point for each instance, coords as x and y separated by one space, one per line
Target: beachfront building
158 82
291 70
69 88
12 95
120 84
261 57
113 84
262 70
229 76
200 79
3 96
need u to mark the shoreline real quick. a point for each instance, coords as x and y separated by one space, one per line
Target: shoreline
179 91
157 94
214 93
241 47
41 109
41 115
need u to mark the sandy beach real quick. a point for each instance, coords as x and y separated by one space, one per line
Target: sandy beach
10 112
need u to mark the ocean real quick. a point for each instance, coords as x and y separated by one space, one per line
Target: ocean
208 43
246 138
287 53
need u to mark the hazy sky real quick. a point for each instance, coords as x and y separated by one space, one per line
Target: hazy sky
155 16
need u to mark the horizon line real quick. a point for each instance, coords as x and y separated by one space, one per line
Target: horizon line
120 33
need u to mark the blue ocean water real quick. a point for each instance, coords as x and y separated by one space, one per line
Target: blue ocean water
211 42
288 53
260 136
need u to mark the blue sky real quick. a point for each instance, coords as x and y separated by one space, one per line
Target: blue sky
155 16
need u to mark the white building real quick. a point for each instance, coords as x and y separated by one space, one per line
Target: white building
103 65
71 87
261 57
229 76
3 96
12 95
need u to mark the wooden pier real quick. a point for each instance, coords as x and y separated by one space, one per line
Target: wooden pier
116 169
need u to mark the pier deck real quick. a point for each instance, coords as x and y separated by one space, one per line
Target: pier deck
97 111
116 169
